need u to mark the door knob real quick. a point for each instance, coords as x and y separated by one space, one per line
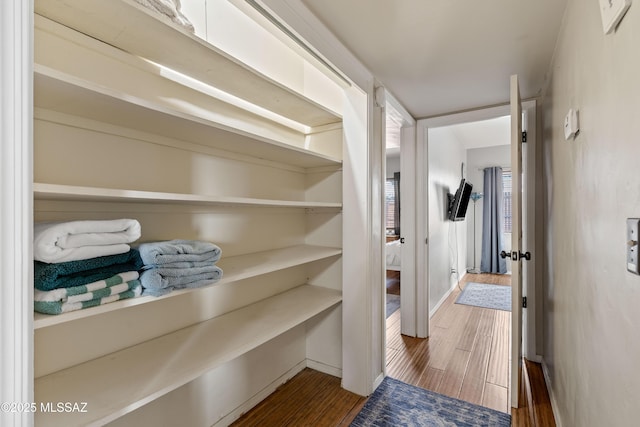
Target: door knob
504 254
526 255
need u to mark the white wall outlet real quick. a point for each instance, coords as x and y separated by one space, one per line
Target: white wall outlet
612 12
633 225
571 127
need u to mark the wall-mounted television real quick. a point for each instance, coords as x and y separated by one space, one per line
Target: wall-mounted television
459 202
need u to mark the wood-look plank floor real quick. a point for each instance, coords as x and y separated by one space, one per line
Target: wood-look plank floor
467 353
466 356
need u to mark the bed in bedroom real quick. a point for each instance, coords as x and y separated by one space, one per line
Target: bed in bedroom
393 255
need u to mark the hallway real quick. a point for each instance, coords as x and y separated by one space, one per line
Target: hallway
466 356
440 363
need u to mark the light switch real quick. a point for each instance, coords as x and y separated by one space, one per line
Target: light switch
571 126
633 225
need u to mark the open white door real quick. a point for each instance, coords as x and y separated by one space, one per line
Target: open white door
516 241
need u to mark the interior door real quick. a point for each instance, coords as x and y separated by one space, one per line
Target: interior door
516 241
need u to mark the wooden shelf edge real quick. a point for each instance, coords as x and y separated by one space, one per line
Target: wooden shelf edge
121 382
235 268
80 95
133 28
44 191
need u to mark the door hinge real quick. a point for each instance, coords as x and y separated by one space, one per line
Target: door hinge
524 136
524 302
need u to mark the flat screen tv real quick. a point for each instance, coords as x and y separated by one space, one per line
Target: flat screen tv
459 202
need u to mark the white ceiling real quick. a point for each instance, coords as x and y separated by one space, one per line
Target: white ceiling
444 56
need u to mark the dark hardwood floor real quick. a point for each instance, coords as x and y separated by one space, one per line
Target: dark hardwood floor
393 282
310 398
466 356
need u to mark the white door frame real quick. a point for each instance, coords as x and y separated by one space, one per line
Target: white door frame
363 189
517 232
422 227
16 208
407 124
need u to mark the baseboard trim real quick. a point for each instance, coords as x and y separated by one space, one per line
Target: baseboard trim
260 396
444 298
537 358
378 381
324 368
552 396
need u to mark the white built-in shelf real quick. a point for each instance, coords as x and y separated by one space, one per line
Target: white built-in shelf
235 268
119 383
43 191
131 27
233 129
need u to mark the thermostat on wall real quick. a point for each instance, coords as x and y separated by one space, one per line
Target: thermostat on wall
612 12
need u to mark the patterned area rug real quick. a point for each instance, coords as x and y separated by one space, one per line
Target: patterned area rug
393 303
395 403
487 296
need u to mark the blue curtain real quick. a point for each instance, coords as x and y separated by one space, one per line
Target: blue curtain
492 223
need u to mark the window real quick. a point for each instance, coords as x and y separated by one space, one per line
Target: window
506 192
390 204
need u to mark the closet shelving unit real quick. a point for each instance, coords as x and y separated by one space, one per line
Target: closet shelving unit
235 268
73 98
132 28
121 382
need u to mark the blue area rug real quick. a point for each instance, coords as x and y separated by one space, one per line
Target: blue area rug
395 403
393 303
487 296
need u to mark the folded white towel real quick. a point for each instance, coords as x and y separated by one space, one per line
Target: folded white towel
170 9
78 240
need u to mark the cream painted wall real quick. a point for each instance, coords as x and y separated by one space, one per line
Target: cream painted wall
230 29
446 238
393 165
591 316
477 160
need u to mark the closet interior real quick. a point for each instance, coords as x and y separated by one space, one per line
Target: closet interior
135 117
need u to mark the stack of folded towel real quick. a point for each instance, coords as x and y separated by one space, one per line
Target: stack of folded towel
169 8
80 264
178 264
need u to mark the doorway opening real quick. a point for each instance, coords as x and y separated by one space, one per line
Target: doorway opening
467 354
469 342
393 249
425 362
466 151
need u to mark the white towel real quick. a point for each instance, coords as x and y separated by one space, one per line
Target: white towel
78 240
170 9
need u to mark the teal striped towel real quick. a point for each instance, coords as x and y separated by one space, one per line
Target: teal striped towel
121 286
47 277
